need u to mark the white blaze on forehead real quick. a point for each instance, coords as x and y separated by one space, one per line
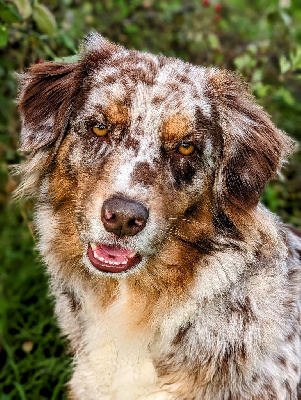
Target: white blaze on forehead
122 181
145 123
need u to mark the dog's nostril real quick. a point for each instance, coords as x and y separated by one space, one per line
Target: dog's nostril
123 217
109 216
131 222
135 222
138 222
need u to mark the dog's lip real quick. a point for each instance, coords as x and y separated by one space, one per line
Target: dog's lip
110 258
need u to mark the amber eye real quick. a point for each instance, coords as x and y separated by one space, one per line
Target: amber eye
100 129
186 149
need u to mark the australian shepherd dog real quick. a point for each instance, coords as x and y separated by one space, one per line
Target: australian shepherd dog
171 280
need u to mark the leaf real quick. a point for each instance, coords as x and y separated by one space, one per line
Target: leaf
3 36
213 41
260 90
284 64
252 49
284 95
44 19
131 28
68 42
9 13
24 7
286 18
295 58
244 61
70 59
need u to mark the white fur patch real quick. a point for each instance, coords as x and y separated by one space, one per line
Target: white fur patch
112 365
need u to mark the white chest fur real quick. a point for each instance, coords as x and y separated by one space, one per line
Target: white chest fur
114 360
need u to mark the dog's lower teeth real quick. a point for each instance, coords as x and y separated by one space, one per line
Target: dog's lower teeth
103 260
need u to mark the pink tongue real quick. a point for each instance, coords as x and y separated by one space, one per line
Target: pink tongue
113 253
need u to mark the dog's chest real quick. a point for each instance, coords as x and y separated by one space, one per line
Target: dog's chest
114 361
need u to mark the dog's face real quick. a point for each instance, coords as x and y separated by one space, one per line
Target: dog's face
140 159
133 156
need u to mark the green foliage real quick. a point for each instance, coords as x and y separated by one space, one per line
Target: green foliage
34 364
259 40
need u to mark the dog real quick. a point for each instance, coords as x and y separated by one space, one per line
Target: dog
171 280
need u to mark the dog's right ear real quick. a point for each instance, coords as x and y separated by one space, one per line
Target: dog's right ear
48 92
45 102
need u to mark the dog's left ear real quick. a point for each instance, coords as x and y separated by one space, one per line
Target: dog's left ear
253 147
45 102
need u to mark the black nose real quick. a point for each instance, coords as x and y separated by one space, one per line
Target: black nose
123 217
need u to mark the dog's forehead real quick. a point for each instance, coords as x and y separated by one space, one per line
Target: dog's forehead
151 93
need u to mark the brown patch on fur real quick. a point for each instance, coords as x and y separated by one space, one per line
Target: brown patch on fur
174 86
158 100
144 173
97 54
175 128
74 302
117 114
189 380
180 336
145 68
62 186
132 143
183 79
109 79
282 360
166 277
197 224
63 192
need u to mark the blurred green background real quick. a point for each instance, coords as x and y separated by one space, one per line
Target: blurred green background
259 39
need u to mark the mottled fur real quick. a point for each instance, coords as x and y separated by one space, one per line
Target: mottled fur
213 309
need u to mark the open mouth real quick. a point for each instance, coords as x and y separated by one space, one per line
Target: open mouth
112 258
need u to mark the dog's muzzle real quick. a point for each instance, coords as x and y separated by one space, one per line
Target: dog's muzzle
122 217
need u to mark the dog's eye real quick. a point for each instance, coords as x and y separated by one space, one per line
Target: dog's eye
100 129
186 149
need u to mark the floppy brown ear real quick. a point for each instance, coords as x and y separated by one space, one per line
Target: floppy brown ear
48 92
253 147
45 102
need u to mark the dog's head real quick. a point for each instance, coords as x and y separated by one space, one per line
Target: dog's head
135 156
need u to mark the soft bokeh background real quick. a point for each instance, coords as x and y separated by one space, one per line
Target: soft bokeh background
259 39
